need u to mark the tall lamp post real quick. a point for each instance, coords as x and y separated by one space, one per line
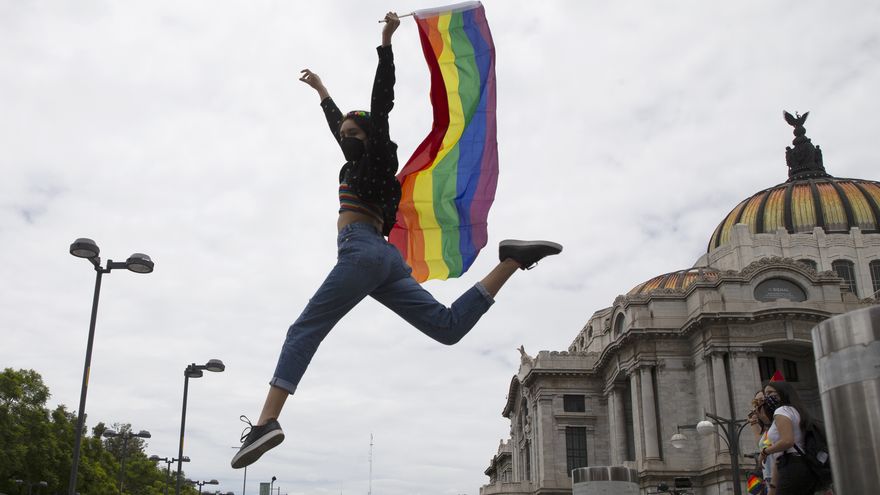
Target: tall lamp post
244 482
168 463
731 429
30 485
192 371
203 483
138 263
125 436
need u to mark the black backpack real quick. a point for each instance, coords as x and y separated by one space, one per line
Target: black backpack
816 455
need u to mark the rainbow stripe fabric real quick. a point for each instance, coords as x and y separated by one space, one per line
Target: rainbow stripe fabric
448 185
754 485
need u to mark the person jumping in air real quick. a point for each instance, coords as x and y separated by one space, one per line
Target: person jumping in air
367 264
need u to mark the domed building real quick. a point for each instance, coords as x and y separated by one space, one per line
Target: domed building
697 343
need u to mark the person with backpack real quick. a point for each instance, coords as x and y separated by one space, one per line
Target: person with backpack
794 473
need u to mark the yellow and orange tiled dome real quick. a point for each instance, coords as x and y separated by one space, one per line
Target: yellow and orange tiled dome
833 204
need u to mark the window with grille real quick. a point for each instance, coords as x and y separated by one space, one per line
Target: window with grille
618 325
846 270
766 367
576 447
789 370
573 403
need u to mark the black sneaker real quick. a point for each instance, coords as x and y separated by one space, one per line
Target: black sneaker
256 442
527 253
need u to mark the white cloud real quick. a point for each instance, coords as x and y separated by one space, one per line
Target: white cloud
626 131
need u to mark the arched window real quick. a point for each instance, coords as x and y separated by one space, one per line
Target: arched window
618 325
808 262
846 270
590 328
875 277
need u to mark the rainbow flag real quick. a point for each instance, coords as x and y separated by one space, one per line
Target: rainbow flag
449 182
754 485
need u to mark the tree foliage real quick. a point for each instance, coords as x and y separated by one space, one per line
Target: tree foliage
36 444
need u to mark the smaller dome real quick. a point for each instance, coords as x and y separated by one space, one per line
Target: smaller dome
678 280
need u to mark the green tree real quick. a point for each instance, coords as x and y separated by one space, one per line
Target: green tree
28 447
36 444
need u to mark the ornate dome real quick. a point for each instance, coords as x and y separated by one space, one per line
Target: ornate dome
678 280
810 198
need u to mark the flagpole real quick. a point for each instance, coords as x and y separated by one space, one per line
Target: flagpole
403 15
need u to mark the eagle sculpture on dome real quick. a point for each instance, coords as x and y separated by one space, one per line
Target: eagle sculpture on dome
795 120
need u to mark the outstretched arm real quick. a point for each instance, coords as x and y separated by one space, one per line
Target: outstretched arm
382 100
331 111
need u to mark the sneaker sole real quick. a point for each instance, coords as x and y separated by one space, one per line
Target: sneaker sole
255 450
548 244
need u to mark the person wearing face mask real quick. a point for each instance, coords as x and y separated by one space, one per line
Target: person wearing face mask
760 424
790 419
367 264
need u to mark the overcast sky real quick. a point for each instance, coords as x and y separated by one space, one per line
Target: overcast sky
626 131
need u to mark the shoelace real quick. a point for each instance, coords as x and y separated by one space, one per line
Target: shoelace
247 429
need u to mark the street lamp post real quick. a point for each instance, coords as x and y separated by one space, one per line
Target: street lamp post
138 263
731 429
203 483
30 485
244 482
192 371
271 485
125 436
168 463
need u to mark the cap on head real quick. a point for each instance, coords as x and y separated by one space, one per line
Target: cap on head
361 118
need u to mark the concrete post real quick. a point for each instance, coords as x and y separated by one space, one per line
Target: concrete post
847 351
605 480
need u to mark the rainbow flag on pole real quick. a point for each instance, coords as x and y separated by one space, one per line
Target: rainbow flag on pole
449 182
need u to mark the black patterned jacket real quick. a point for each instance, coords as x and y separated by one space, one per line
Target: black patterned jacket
373 176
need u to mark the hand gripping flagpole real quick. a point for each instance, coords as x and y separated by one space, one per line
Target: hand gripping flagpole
403 15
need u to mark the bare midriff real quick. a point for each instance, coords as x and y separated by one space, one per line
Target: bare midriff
350 217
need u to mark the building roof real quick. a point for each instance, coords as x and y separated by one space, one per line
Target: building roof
677 280
810 198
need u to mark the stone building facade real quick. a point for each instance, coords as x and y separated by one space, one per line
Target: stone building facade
698 340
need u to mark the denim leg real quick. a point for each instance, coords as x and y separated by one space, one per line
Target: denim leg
406 297
357 272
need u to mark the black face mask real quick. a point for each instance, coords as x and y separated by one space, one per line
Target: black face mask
352 148
771 404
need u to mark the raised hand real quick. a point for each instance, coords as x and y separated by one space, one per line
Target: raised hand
315 82
391 23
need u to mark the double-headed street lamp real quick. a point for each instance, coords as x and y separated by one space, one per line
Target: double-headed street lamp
167 461
192 371
30 485
731 429
138 263
125 436
203 483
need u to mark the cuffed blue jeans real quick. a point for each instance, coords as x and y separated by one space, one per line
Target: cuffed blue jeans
368 265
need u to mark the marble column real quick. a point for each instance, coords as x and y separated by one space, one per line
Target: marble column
637 420
620 425
649 414
722 394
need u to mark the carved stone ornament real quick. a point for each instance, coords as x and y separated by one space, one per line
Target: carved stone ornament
524 357
775 261
804 160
